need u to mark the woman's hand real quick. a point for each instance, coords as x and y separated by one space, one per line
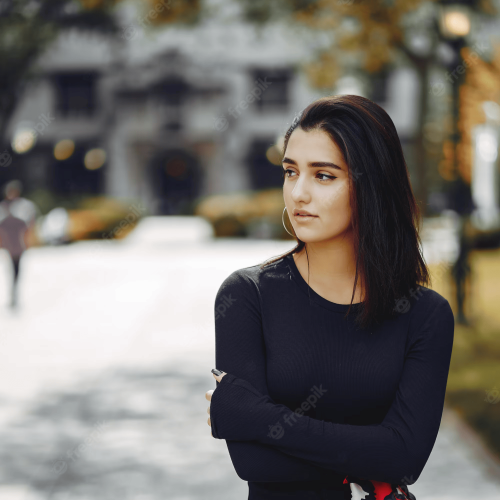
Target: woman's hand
208 394
240 412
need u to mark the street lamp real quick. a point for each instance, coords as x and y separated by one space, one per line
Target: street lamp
454 26
454 20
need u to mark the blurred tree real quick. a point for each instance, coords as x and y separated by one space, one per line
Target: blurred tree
161 12
27 27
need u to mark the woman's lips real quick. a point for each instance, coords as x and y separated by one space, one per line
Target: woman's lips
305 218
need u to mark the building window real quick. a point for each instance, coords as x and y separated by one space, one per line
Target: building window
275 89
76 94
70 177
169 98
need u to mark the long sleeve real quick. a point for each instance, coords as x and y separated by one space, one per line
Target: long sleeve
393 451
240 350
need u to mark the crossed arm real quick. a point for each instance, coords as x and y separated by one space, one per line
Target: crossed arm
240 351
242 412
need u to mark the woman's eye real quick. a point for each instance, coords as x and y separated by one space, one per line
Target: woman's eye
328 177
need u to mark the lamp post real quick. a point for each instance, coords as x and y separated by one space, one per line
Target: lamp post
455 25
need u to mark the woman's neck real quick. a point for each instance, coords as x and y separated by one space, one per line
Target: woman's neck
332 269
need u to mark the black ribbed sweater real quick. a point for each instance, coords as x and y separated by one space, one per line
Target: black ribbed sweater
308 398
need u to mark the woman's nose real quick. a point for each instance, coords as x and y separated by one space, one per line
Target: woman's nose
300 191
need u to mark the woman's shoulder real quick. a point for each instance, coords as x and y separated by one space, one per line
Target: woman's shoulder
258 275
428 308
427 297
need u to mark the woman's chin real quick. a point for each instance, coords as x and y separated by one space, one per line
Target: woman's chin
309 236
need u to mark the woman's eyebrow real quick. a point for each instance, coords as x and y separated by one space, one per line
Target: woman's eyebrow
312 164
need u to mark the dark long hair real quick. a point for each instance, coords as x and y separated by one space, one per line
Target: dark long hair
385 216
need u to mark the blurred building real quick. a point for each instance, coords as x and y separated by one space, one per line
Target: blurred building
170 118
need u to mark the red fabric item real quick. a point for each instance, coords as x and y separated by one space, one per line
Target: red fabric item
381 489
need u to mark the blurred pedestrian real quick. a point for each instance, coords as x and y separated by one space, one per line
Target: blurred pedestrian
17 218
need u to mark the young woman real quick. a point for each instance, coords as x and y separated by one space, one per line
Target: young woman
335 356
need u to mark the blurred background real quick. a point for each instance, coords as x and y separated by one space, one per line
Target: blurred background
140 166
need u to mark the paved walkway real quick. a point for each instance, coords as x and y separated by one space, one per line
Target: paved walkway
105 366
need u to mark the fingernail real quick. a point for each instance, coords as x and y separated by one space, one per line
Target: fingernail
217 372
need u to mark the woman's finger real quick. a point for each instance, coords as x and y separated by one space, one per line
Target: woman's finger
219 377
208 396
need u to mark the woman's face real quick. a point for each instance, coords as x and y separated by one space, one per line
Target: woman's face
316 180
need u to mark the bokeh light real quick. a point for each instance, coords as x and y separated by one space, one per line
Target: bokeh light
64 149
95 159
273 155
24 140
456 23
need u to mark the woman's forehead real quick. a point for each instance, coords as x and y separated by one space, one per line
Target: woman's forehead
312 146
